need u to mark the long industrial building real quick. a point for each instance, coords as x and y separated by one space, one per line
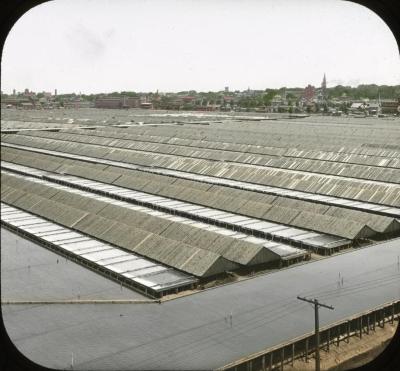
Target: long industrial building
171 205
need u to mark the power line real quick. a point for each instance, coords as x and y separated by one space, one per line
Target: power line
317 304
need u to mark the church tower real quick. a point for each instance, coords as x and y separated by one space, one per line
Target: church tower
323 88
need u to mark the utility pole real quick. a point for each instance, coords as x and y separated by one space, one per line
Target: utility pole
317 304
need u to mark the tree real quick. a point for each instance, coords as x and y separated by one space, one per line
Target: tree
129 93
344 108
267 98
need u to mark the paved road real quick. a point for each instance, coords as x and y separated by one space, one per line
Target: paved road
194 332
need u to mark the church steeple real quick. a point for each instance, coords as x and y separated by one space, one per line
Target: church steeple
323 87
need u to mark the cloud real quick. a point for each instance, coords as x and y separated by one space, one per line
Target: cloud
353 82
86 43
335 82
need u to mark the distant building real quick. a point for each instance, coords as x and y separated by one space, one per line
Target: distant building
358 107
373 108
117 102
132 102
323 88
277 102
77 103
146 105
308 93
322 94
390 107
27 105
21 101
188 99
108 102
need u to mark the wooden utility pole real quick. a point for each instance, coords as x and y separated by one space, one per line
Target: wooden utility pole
317 304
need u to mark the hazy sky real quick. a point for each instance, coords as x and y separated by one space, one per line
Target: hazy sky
172 45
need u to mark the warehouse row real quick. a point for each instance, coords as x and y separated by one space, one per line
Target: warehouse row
127 268
333 219
377 193
349 138
368 172
195 248
195 181
213 217
369 191
381 158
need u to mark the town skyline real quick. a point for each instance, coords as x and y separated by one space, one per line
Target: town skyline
223 89
364 99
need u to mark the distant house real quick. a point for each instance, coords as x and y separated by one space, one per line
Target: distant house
358 107
27 105
188 98
213 107
146 105
277 100
278 104
373 108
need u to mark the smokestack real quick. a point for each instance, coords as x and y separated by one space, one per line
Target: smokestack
55 92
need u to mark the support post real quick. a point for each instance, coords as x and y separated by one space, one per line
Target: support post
361 327
367 324
338 336
374 321
271 360
292 354
317 358
328 340
282 357
263 362
307 350
392 314
348 331
317 304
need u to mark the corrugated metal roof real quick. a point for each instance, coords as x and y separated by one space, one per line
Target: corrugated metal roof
113 215
160 279
300 164
389 196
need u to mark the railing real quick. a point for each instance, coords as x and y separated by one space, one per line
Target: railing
276 357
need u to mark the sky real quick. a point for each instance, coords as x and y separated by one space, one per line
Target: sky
93 46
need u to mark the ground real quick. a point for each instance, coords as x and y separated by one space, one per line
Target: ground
350 355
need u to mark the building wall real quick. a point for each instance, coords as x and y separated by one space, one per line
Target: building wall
108 102
117 102
132 102
390 107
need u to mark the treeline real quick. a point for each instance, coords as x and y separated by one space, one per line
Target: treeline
370 91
